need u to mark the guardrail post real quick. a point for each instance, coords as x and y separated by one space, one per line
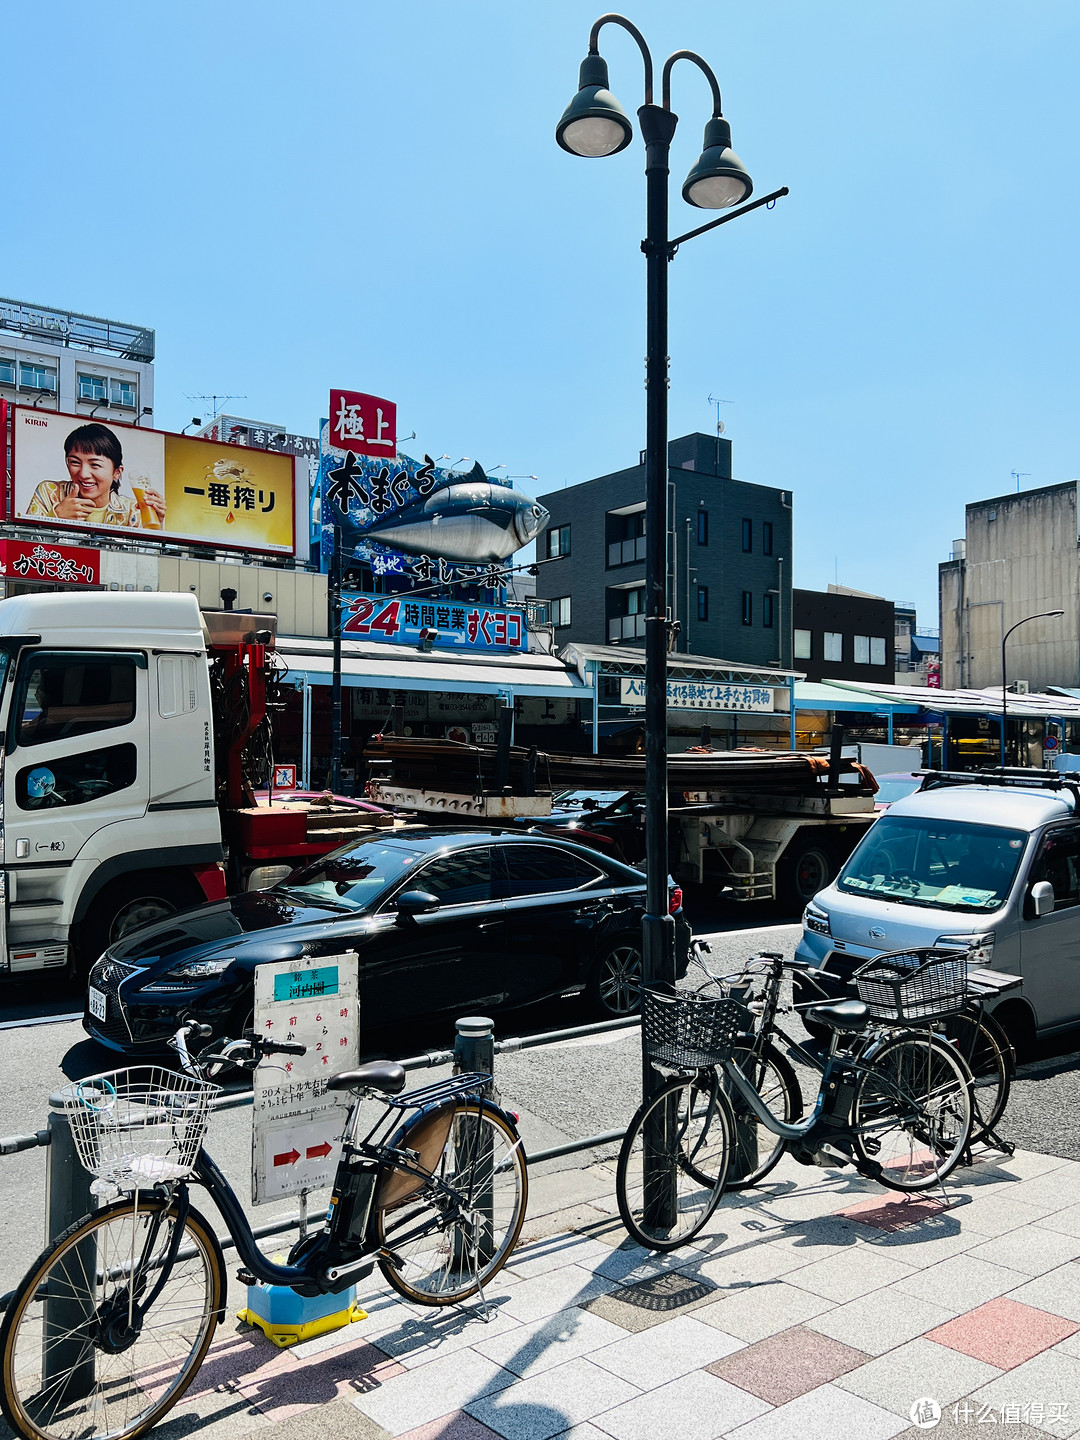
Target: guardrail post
474 1049
67 1199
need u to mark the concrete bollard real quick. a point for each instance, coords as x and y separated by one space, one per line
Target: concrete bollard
67 1199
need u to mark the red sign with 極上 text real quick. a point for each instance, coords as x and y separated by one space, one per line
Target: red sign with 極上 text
362 423
61 564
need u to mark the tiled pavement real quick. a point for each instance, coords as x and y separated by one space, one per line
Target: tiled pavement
819 1307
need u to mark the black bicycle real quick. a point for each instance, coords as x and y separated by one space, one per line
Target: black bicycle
110 1324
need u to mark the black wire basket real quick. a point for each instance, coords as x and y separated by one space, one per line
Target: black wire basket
687 1031
909 986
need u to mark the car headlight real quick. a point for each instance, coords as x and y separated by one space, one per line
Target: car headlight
195 971
980 947
816 920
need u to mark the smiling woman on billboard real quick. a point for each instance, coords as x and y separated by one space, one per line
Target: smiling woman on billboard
95 466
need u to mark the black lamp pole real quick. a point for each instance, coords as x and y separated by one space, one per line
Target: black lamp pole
594 124
1043 615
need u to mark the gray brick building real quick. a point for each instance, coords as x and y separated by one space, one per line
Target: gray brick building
729 548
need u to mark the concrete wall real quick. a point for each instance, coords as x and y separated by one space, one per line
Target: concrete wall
297 597
1020 557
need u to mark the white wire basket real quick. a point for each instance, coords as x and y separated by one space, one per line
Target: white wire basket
138 1128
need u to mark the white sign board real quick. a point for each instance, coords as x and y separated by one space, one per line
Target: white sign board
297 1123
701 695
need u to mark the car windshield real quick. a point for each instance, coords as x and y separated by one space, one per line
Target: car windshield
586 799
352 878
944 864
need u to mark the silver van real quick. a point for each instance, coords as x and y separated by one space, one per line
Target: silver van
966 862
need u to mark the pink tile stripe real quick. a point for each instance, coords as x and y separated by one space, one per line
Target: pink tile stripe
1003 1332
892 1215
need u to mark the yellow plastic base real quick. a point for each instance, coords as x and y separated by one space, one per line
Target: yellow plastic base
283 1335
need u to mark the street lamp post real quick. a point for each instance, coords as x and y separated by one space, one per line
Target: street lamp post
1042 615
593 125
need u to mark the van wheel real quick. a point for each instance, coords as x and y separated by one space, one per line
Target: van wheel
804 871
1019 1025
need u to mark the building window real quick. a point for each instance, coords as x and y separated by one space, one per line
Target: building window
862 650
703 602
560 610
803 645
7 370
558 542
33 376
625 538
626 613
766 537
747 540
877 649
93 387
747 601
767 611
834 646
122 392
702 527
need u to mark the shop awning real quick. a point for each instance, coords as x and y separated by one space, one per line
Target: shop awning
820 695
386 667
928 702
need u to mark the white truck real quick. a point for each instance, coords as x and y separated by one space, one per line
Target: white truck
135 732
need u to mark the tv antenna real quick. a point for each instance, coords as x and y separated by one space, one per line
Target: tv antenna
217 401
715 400
1019 475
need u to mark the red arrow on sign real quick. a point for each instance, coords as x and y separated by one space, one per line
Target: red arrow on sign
319 1152
289 1158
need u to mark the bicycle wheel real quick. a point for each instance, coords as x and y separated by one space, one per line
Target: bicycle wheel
985 1048
912 1111
445 1240
688 1129
757 1149
86 1353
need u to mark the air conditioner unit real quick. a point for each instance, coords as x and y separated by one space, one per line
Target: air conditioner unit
1022 687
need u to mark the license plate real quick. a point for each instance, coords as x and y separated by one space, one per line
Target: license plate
96 1004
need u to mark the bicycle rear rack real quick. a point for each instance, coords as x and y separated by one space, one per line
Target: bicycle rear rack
474 1082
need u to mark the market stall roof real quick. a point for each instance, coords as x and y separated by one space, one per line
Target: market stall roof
630 660
966 702
393 667
825 695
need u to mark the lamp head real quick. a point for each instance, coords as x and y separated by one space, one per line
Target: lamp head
594 123
719 178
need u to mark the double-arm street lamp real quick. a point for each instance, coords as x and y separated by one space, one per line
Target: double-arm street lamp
595 124
1042 615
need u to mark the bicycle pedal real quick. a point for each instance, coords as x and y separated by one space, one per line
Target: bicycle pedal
247 1278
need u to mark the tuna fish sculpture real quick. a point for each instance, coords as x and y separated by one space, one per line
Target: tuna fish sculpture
470 520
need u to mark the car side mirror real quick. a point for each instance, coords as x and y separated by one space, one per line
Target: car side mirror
1042 897
415 902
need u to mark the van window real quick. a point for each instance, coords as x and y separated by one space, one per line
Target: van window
1059 862
944 864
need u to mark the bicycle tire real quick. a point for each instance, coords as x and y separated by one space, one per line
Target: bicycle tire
122 1396
434 1253
912 1112
699 1157
782 1095
990 1058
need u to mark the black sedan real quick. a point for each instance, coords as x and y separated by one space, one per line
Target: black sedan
444 922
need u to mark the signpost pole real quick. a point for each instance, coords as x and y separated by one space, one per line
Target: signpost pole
335 693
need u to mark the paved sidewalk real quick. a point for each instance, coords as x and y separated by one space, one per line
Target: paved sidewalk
818 1306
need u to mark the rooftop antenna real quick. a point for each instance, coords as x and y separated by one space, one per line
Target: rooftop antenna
1019 475
715 400
217 401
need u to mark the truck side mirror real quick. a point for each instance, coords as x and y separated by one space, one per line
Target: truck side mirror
1042 898
415 902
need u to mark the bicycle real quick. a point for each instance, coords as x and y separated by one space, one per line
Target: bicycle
898 1105
111 1323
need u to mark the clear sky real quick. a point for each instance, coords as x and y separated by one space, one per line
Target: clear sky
300 196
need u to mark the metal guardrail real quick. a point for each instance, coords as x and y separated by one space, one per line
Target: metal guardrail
67 1184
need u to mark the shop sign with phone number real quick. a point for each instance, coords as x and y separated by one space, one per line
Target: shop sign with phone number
460 625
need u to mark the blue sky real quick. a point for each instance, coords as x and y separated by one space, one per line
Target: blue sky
371 196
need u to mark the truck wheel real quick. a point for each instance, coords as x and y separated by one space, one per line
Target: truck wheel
124 907
614 986
804 870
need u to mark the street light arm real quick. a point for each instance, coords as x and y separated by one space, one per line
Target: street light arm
613 19
705 68
767 200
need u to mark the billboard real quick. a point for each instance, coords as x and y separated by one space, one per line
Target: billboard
60 564
364 424
97 475
457 624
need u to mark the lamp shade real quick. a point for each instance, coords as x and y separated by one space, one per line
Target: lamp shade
594 123
719 179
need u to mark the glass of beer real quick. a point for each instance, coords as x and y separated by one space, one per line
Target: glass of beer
150 518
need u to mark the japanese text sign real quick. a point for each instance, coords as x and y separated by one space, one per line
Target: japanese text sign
701 695
63 564
460 624
362 423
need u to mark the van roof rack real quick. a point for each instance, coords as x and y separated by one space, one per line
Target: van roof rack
1011 776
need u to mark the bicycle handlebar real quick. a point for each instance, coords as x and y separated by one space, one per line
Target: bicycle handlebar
232 1051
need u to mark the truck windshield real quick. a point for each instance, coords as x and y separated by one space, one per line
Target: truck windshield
945 864
352 878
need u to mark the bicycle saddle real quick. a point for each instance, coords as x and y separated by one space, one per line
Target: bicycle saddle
384 1075
841 1015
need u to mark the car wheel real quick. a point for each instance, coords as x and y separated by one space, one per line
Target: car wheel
614 987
